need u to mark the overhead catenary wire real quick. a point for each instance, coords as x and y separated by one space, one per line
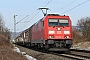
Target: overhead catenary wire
44 3
39 11
22 19
33 17
30 14
36 13
67 5
75 6
48 3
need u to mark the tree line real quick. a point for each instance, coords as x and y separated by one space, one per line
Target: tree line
82 31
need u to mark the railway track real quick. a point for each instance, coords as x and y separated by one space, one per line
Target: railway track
84 54
85 51
72 55
75 57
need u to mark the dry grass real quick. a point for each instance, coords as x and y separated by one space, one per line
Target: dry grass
7 52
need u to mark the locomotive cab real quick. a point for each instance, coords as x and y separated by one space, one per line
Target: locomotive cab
59 31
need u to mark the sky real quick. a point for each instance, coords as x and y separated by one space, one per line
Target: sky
27 11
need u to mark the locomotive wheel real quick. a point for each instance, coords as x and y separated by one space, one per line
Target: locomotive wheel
68 46
46 48
38 46
41 45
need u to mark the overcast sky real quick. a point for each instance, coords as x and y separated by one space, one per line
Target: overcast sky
76 9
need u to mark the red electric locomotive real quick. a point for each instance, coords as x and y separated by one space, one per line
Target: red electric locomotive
52 32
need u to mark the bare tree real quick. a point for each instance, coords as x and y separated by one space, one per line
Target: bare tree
77 35
3 29
84 25
1 23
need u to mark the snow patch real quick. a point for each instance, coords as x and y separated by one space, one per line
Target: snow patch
16 49
29 57
24 53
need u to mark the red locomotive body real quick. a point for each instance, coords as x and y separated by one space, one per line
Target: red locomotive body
38 32
52 31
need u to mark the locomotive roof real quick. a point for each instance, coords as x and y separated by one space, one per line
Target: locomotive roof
53 15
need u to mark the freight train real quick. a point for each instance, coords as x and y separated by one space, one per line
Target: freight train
52 32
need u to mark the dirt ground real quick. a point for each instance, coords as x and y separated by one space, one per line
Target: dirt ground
82 45
7 52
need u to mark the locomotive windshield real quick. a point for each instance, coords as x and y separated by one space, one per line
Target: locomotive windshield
58 22
63 22
53 22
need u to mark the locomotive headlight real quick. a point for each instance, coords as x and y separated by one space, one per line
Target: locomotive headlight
51 36
66 32
51 32
67 36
